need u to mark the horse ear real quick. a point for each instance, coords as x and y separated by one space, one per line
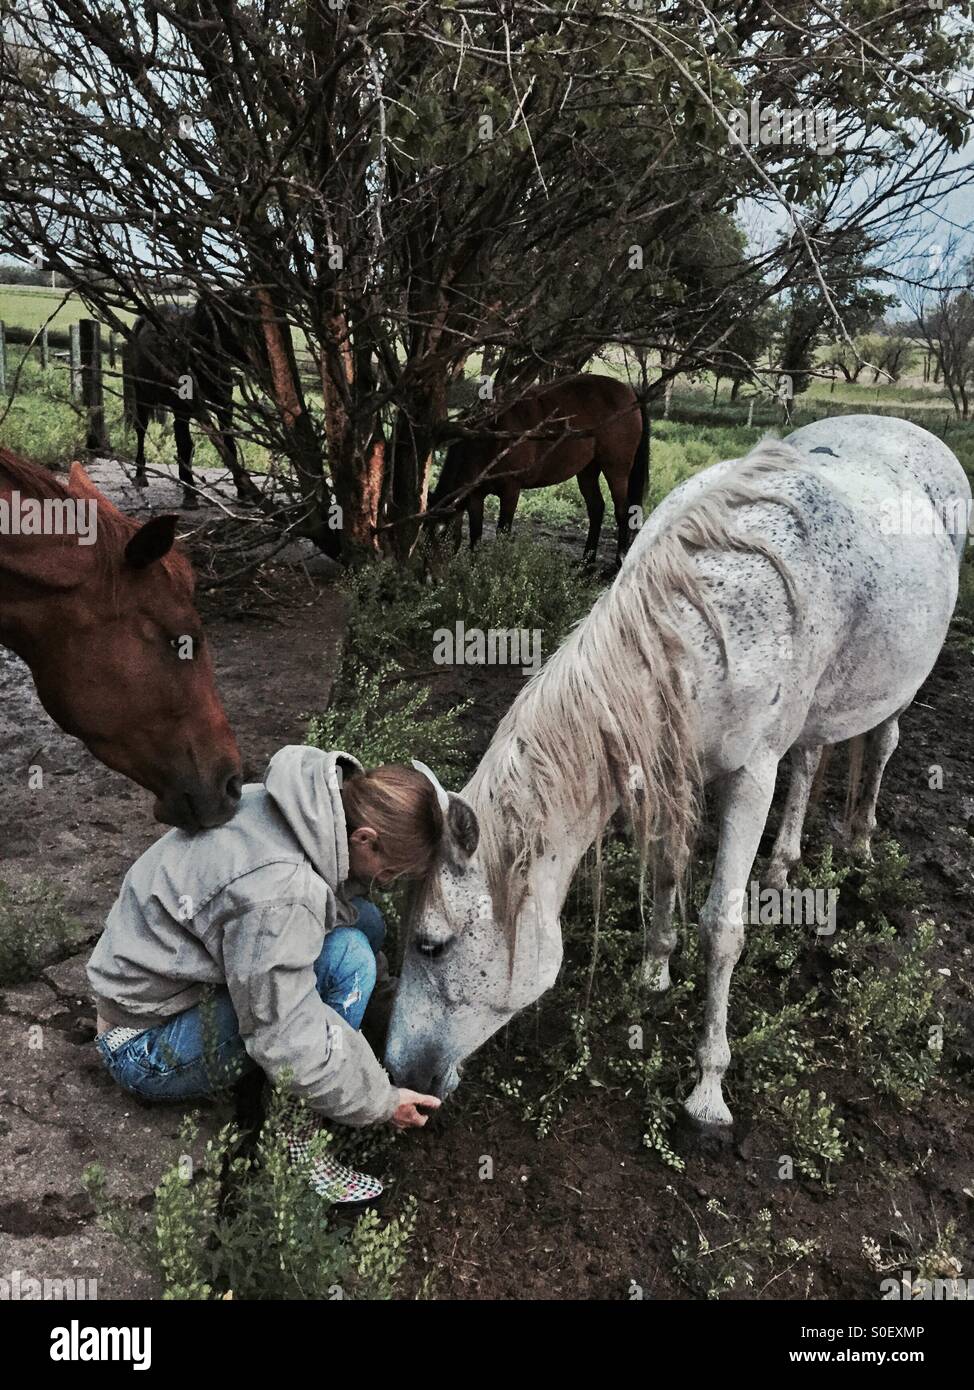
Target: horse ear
151 542
462 827
80 484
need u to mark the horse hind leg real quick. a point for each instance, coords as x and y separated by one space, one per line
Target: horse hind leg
787 850
746 799
247 489
508 506
880 745
618 481
588 486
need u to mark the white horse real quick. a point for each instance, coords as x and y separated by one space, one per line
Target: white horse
773 604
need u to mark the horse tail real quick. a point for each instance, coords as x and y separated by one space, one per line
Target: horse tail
639 473
857 748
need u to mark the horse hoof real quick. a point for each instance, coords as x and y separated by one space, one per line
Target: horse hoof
702 1137
706 1105
141 480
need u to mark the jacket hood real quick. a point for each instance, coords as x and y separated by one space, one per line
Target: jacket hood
305 785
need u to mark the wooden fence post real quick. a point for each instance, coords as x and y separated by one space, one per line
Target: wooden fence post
45 350
92 391
3 358
75 359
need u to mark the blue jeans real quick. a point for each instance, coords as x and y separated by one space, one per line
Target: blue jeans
200 1051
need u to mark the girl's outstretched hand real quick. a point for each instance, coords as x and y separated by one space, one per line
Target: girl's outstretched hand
407 1115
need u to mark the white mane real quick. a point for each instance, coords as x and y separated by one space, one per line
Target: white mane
608 717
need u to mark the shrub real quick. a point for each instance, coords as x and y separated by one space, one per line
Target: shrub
271 1240
382 717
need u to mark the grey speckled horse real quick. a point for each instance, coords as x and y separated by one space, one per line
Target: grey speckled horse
771 605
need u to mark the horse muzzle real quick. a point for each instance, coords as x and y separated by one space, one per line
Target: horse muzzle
200 805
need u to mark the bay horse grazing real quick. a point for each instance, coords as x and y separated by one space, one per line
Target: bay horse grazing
113 641
184 363
767 607
582 427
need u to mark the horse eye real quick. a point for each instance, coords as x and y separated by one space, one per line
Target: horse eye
431 949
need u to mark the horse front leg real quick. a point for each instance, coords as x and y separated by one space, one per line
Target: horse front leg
747 797
141 425
661 937
788 844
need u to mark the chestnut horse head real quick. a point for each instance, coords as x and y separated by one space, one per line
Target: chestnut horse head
107 625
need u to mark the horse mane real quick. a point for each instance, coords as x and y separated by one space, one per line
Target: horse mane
114 527
613 700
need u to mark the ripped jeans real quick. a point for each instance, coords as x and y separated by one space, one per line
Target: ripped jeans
200 1050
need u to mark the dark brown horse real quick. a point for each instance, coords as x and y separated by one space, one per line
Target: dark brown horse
579 428
113 641
184 363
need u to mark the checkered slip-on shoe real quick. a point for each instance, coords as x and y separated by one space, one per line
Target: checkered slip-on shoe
334 1181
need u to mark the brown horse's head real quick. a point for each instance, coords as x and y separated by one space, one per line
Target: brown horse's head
119 659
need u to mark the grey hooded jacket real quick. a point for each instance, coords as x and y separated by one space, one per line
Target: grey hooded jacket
248 905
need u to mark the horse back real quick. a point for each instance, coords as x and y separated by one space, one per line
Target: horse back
599 415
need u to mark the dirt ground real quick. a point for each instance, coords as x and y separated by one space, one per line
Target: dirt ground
584 1213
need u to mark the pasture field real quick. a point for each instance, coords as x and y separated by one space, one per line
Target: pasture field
852 1156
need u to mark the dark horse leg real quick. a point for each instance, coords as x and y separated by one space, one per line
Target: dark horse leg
141 421
588 486
475 510
618 481
247 489
509 500
184 453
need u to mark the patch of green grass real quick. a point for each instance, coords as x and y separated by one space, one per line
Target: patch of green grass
31 306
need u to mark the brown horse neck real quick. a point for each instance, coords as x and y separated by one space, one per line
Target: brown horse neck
35 570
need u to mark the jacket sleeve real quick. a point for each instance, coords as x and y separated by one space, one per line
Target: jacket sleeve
269 954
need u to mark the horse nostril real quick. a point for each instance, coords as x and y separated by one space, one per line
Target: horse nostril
234 786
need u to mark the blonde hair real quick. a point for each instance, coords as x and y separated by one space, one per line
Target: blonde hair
400 805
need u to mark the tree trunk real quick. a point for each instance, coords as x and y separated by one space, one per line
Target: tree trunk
356 448
302 443
410 459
